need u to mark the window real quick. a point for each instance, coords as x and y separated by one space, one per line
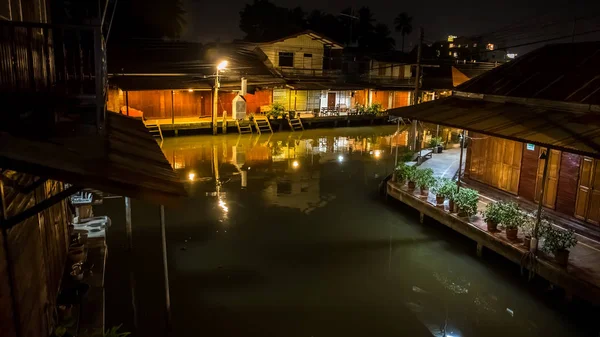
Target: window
286 59
451 45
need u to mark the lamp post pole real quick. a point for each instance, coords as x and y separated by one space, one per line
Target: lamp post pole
215 103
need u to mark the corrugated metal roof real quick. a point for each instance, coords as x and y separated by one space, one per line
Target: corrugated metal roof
128 162
560 72
574 132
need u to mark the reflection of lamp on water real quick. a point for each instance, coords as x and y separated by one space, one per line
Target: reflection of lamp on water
377 153
223 205
191 176
295 164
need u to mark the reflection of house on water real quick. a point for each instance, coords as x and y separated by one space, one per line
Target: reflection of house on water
286 167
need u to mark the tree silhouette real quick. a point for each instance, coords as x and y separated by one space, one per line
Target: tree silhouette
262 21
403 25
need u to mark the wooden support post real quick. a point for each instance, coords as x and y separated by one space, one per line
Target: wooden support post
128 228
224 124
173 108
421 217
546 157
127 101
10 269
479 250
462 149
165 267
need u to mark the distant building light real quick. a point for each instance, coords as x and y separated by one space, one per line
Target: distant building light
450 53
190 90
451 38
458 46
455 54
451 45
511 55
490 46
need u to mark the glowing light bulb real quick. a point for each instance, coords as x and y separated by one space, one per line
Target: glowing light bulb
191 176
295 164
340 158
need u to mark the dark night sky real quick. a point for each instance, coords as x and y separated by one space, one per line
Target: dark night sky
214 19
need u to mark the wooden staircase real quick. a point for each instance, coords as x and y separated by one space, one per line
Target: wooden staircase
243 128
154 129
262 125
296 124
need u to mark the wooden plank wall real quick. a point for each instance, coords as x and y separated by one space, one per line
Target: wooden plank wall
38 250
157 103
381 97
567 183
258 99
360 97
529 166
400 99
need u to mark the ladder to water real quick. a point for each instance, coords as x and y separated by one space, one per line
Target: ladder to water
243 128
262 125
154 129
296 124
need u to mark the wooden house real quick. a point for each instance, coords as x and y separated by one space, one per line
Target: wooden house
546 101
54 131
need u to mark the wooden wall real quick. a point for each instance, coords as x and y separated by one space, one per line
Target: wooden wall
401 99
528 178
381 97
157 103
258 99
360 97
37 249
567 183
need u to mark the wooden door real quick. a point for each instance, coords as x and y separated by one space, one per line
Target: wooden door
496 162
587 206
551 188
331 100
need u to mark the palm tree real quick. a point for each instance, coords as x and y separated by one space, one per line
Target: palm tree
403 24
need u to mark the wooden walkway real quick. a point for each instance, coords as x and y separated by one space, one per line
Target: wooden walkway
580 278
308 121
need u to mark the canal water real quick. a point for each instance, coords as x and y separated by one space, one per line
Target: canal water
288 235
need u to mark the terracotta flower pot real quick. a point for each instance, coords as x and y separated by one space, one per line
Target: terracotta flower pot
511 233
439 199
527 242
462 213
424 192
394 178
411 185
451 206
492 226
561 257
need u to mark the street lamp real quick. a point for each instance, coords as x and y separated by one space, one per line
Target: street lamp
220 67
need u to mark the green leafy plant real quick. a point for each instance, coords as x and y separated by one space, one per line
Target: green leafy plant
424 178
403 171
360 109
511 215
556 239
277 110
435 141
411 173
493 212
374 109
446 188
466 200
406 155
112 332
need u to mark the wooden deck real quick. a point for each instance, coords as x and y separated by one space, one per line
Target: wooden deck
580 278
309 121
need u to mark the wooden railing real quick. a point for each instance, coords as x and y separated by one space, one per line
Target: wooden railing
58 71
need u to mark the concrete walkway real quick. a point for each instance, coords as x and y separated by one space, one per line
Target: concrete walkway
584 260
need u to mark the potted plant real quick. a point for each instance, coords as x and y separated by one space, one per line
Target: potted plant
512 219
493 215
436 144
401 173
425 179
251 117
292 114
76 253
277 110
411 176
443 189
77 271
466 200
558 241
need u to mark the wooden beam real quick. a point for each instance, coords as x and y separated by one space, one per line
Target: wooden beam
31 211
